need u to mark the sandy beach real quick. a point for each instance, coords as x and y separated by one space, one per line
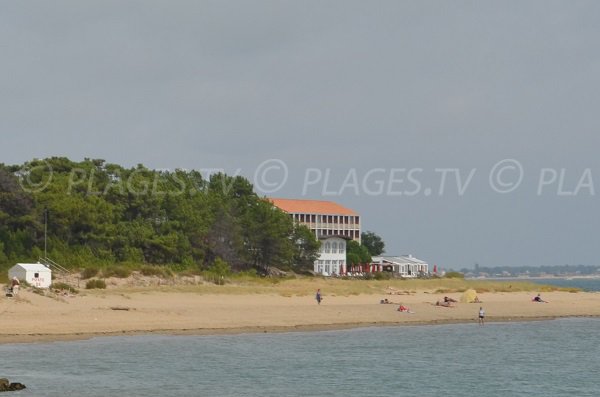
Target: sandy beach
31 317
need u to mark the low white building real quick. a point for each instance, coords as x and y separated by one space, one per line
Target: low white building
405 265
35 274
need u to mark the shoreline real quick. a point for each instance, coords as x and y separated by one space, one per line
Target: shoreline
32 318
71 337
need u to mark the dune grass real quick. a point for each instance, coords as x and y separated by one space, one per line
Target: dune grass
303 286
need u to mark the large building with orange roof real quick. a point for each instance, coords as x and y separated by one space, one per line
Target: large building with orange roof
332 223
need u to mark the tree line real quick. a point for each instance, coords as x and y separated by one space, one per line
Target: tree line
102 213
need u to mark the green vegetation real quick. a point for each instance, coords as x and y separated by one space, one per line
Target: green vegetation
95 284
116 271
64 287
160 271
102 214
89 272
373 243
217 272
357 254
454 275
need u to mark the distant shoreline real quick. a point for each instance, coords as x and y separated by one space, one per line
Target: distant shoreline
525 278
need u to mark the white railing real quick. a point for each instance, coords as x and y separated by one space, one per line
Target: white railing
53 265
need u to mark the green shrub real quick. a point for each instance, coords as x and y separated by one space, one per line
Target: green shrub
95 284
454 275
64 287
217 272
250 273
383 276
117 271
156 271
89 272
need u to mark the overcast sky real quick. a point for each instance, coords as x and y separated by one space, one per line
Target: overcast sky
462 132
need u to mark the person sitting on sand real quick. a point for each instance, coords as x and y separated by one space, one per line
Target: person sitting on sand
539 299
447 300
404 309
444 304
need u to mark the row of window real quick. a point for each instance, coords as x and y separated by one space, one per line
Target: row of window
353 234
329 267
340 219
407 269
334 247
330 262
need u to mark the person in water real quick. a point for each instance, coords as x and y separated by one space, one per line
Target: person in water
481 316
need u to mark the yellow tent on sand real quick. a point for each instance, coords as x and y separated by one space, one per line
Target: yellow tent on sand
469 296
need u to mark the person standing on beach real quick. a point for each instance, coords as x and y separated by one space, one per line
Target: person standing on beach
481 316
319 297
14 286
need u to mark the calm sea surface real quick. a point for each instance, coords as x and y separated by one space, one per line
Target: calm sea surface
549 358
586 284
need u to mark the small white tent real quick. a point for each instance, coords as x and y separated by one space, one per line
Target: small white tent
35 274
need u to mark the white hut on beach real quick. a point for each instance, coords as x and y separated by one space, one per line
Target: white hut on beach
35 274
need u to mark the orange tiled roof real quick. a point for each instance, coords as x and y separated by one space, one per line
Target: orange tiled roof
293 206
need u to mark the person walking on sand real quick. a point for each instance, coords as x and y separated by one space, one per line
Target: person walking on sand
481 316
319 297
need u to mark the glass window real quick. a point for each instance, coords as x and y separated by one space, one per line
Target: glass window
342 247
327 247
334 247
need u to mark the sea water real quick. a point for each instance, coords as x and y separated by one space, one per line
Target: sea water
585 284
542 358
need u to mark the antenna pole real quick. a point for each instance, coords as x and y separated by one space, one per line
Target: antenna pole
45 233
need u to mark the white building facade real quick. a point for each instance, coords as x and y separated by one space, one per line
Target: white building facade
332 224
